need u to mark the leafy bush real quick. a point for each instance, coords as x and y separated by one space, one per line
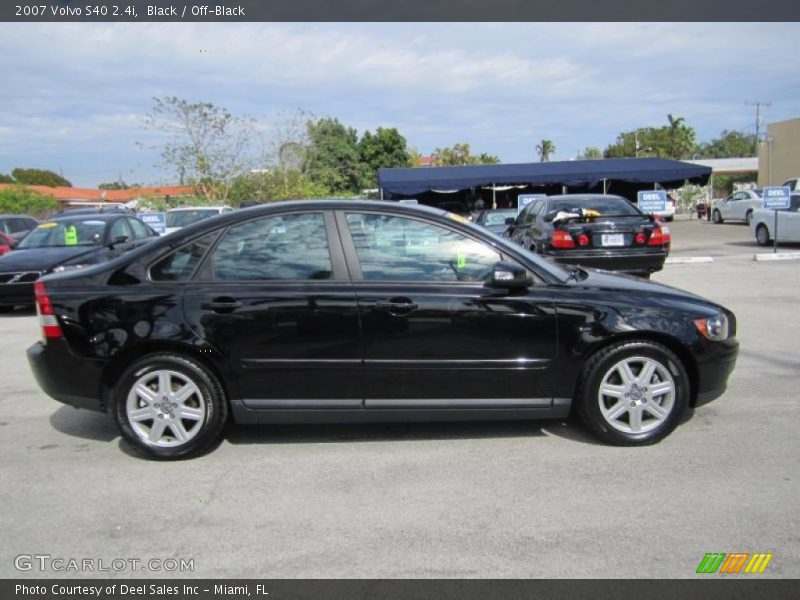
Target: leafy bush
18 199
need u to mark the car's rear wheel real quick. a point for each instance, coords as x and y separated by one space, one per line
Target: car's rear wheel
749 217
716 216
633 393
169 406
762 235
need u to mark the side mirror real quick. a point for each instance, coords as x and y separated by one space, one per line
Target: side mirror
510 276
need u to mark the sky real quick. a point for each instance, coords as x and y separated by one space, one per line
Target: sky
74 95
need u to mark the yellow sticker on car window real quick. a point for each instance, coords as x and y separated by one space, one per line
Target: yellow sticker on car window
47 225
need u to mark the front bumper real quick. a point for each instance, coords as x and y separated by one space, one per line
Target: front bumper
715 363
65 377
643 261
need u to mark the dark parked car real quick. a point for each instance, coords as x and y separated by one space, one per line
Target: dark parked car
66 243
322 311
496 220
17 226
593 230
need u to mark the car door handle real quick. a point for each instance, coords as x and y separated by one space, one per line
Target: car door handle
399 306
221 305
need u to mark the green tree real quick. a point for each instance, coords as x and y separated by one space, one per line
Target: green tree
269 185
592 153
207 147
461 154
117 185
545 149
674 140
333 156
18 199
6 178
729 144
385 148
39 177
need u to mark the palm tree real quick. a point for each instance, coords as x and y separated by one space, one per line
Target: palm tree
674 125
545 148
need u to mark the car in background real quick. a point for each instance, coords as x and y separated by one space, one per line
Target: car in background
739 206
763 223
496 221
7 243
792 184
333 310
593 230
63 244
17 226
178 218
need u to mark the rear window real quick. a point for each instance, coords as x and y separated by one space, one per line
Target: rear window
602 206
181 264
184 218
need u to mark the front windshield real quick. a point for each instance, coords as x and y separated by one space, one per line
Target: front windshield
498 217
183 218
77 232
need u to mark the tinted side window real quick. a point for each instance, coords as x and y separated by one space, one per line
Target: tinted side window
120 228
19 225
393 248
285 247
180 265
140 230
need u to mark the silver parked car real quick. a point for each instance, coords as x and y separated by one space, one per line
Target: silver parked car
739 206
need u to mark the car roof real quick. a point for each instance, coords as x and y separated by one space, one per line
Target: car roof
13 216
182 208
105 217
580 197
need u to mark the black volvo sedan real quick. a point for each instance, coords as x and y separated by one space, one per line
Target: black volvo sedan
593 230
323 311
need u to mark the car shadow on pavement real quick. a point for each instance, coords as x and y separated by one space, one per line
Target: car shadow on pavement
84 424
403 432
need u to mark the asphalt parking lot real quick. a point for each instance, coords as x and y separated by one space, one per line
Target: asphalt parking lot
515 500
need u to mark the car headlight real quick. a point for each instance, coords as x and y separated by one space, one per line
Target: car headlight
713 328
62 268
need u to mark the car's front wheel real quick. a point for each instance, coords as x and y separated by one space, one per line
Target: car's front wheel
762 235
716 216
633 393
170 406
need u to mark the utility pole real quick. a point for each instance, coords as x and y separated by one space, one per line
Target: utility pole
758 104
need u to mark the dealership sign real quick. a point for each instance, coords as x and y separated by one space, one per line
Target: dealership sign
156 220
652 201
777 198
524 199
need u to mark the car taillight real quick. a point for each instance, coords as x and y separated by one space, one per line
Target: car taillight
47 318
659 237
562 240
583 240
640 238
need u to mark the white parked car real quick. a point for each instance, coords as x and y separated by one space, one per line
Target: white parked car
739 206
178 218
763 224
793 184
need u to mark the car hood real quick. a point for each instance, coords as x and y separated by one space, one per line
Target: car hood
42 259
606 280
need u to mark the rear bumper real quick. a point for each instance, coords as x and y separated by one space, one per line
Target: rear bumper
715 363
13 294
622 261
65 377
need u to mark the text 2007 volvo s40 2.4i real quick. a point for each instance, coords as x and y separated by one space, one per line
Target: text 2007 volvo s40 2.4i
323 311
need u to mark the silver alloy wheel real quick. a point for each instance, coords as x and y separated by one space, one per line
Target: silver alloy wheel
762 235
165 408
636 395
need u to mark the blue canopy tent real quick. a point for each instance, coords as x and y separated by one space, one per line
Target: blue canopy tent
623 176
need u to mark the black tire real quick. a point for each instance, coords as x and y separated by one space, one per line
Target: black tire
211 403
716 216
669 219
5 309
601 365
748 218
762 235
